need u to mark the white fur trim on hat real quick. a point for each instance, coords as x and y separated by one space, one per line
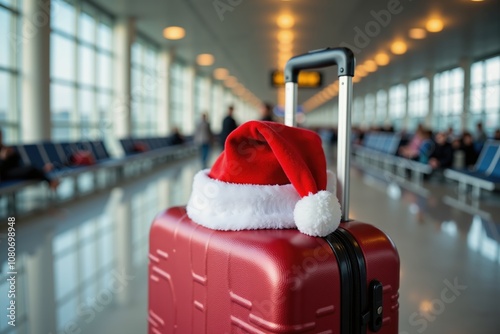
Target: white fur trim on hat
232 207
226 206
317 214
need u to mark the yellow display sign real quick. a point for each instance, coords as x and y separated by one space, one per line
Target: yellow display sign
307 79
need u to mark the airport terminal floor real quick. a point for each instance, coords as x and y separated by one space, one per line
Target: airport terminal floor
93 254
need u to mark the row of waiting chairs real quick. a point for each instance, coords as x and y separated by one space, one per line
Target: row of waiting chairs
138 145
485 174
381 148
60 154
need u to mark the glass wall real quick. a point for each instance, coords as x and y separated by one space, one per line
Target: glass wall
177 91
370 109
381 107
358 112
485 94
145 82
81 71
10 56
448 99
418 102
397 106
201 96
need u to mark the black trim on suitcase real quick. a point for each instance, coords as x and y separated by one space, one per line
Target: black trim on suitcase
346 283
354 312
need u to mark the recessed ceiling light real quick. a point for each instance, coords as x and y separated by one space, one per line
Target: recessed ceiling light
205 59
231 82
285 47
174 33
434 25
360 71
285 36
417 33
399 47
285 21
221 73
370 66
382 59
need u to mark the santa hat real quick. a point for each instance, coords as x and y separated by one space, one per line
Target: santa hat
269 176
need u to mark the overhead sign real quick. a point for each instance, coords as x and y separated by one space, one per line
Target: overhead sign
307 79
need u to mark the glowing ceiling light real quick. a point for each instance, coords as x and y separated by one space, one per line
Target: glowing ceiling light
434 25
417 33
382 59
285 21
285 36
399 47
205 59
174 33
285 47
221 73
370 66
231 82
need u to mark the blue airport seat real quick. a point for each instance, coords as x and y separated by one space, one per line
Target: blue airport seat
55 155
486 172
34 155
101 151
487 155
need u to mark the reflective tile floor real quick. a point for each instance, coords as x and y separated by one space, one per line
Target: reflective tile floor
83 268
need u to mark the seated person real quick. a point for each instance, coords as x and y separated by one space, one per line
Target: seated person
427 147
442 156
466 145
12 169
176 138
412 149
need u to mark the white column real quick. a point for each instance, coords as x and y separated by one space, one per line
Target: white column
188 115
163 114
466 66
406 117
41 305
35 40
430 110
122 112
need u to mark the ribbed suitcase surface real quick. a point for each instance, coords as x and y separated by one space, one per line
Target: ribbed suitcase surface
262 281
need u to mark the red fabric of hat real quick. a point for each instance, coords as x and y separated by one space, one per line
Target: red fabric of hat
268 176
268 153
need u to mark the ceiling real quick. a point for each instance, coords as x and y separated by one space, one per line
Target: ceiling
242 34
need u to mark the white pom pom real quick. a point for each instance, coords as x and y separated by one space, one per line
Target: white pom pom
317 214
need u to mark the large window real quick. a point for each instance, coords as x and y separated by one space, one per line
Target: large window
448 99
217 112
370 108
10 50
81 71
178 77
358 111
201 96
397 105
381 114
485 94
418 102
145 81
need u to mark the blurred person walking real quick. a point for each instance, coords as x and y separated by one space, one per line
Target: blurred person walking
204 138
228 125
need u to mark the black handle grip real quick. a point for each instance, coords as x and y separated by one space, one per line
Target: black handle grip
342 57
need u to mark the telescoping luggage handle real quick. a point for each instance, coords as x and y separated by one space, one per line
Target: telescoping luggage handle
344 59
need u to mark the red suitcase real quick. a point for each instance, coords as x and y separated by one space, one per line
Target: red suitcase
276 281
